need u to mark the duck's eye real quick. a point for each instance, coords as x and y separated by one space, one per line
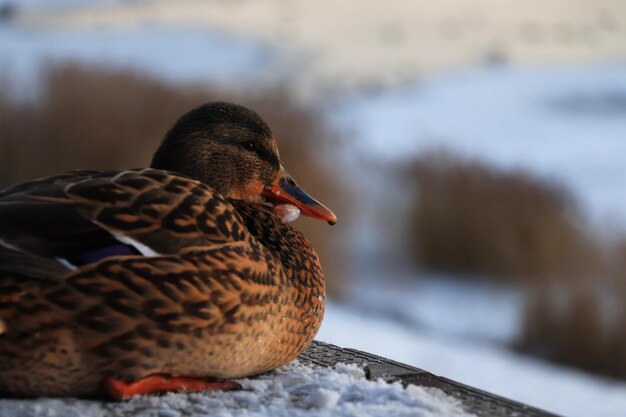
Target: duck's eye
250 145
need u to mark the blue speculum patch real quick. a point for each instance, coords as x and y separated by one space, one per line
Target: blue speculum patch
89 257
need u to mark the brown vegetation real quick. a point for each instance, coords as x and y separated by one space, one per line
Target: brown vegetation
476 220
582 321
470 218
108 119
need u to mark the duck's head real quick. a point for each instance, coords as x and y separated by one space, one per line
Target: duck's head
230 148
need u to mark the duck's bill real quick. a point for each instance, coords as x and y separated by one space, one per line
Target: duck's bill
286 191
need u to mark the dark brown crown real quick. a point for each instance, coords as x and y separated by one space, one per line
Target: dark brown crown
224 145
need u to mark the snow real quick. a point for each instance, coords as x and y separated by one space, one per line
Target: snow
294 390
566 123
371 43
477 363
324 398
443 305
165 52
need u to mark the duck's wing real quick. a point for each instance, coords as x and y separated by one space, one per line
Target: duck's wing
196 290
84 216
170 313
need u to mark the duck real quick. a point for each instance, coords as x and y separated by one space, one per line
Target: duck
183 276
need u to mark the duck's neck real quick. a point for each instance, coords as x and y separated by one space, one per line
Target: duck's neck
287 244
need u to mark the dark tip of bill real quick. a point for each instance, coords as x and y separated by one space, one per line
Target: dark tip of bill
332 223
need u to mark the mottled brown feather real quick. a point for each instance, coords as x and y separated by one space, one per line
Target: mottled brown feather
233 291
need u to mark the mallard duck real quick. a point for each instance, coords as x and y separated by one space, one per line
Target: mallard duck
172 277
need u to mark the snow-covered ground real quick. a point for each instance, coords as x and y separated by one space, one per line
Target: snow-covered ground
567 122
446 350
292 391
443 306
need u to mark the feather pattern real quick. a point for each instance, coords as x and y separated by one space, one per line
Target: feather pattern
210 287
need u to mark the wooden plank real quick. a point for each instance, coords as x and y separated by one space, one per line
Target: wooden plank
475 401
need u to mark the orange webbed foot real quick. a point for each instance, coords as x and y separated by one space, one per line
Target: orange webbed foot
119 390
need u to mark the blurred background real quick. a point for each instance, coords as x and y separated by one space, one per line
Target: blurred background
473 150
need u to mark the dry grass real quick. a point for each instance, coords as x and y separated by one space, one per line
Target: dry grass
582 321
107 119
87 118
473 219
470 218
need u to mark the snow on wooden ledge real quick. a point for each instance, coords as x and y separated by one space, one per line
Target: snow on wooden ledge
293 390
